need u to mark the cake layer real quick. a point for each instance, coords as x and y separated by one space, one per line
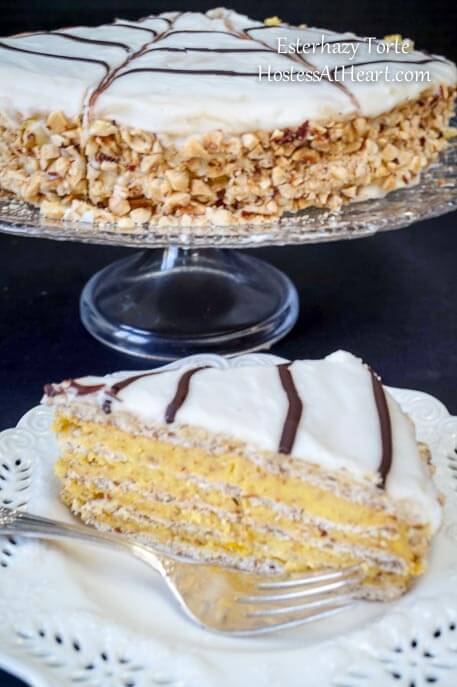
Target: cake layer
82 483
248 536
188 487
188 483
241 547
177 496
126 456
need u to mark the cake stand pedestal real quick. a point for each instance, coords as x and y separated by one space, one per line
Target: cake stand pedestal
178 302
200 294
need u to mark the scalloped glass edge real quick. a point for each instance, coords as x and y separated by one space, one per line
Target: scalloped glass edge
434 195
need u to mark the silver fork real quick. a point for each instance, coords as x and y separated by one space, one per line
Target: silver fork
216 598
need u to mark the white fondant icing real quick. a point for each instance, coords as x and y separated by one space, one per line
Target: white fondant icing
339 427
176 105
34 83
236 104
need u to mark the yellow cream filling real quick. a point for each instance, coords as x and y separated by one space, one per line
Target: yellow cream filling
226 468
398 546
293 556
153 464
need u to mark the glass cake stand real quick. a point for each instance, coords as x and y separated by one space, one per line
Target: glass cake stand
199 293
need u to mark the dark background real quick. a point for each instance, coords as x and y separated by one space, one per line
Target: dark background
390 299
431 23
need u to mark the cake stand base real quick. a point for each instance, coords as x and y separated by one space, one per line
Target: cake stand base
177 302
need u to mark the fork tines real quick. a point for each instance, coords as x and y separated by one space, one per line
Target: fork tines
295 601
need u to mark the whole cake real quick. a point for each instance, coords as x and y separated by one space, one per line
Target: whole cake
214 118
291 467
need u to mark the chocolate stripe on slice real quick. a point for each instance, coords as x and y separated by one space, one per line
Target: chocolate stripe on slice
385 426
181 394
81 389
294 411
115 388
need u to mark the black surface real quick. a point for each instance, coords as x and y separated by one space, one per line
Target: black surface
431 24
7 680
390 299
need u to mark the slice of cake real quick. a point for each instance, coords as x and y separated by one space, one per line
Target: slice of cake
214 118
295 467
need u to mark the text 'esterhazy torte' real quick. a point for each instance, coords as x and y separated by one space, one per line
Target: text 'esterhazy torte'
203 118
289 467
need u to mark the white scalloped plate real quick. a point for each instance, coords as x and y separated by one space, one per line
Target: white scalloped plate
73 615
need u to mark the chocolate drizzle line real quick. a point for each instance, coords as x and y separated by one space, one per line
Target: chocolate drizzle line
134 28
385 428
181 393
165 70
253 51
341 86
309 65
373 63
294 411
57 57
52 390
165 19
111 76
176 403
157 17
80 39
85 389
262 27
244 36
193 31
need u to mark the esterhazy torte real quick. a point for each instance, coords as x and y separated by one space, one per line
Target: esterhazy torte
294 467
182 117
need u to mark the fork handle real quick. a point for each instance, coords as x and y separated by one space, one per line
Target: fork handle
27 525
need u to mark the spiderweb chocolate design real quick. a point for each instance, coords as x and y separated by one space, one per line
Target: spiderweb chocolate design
205 119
